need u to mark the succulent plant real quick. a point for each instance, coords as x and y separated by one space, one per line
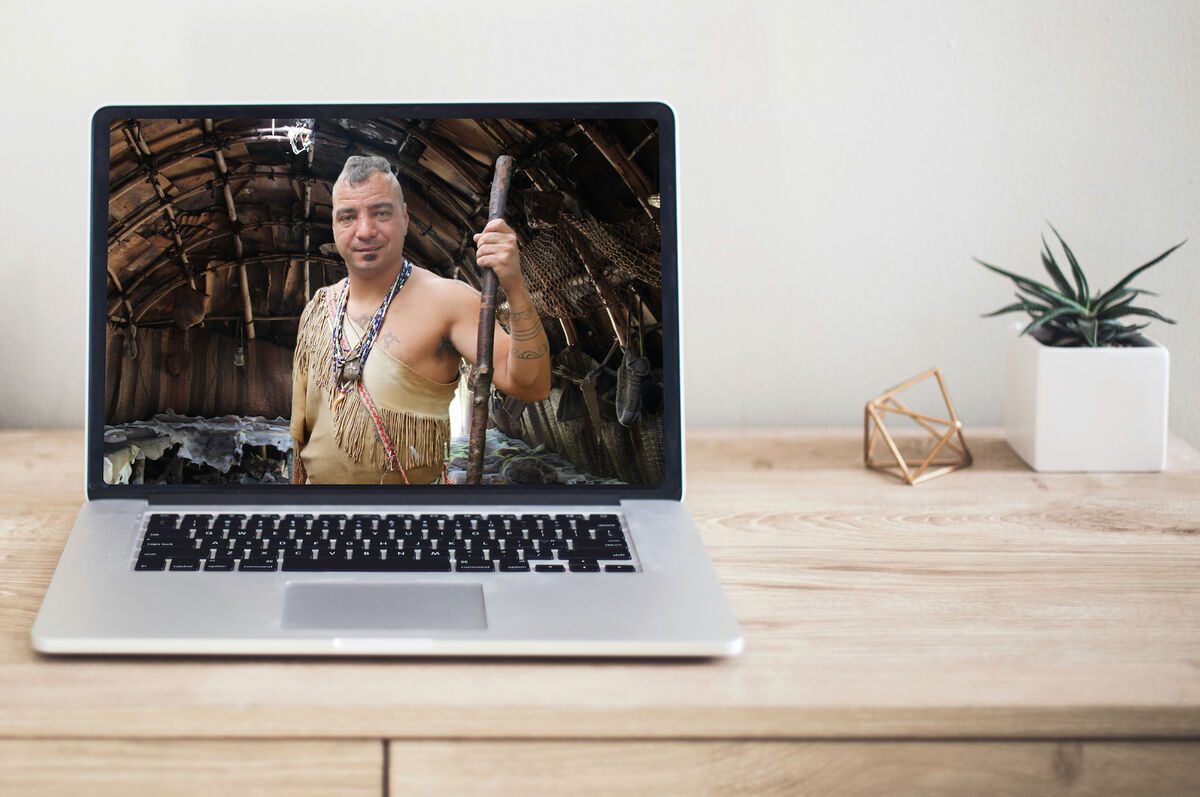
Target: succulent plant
1072 315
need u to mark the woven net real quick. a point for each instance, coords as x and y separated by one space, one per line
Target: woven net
629 251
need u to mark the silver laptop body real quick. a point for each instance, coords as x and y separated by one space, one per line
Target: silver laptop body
670 604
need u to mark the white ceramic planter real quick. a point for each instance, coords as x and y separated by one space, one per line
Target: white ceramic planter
1085 409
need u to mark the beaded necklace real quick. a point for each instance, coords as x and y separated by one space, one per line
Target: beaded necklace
348 363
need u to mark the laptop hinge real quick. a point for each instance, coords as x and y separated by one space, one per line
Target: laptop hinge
219 498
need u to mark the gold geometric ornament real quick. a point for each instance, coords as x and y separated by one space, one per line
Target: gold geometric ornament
942 432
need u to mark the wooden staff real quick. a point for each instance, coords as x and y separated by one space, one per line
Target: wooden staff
480 408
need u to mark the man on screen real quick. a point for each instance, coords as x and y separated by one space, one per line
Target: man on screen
378 354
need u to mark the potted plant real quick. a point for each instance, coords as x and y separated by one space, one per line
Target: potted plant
1085 390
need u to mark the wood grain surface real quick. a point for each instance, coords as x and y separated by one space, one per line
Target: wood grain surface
176 767
829 769
992 603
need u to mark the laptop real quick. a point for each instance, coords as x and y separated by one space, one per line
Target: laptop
385 380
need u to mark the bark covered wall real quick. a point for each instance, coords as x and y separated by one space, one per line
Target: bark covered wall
194 378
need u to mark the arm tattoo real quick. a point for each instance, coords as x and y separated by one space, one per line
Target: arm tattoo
532 333
521 354
521 315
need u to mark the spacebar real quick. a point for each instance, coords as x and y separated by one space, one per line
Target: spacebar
394 566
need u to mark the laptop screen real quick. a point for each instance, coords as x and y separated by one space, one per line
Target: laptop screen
301 299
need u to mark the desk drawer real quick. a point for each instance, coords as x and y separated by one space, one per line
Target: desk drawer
825 768
163 768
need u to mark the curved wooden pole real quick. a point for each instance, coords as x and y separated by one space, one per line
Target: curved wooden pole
480 405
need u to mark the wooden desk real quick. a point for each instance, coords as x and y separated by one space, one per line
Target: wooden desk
992 631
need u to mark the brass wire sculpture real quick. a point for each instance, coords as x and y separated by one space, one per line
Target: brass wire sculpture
942 430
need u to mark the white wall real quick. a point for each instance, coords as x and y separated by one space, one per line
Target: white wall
840 163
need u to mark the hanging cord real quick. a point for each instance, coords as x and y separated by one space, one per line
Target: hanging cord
596 371
239 353
570 377
133 348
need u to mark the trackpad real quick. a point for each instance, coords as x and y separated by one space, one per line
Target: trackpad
384 606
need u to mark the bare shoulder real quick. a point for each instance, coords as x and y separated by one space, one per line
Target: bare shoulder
454 297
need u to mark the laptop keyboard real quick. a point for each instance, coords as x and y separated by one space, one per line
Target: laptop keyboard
385 543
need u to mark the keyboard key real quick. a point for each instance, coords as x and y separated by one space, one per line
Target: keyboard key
426 566
260 564
584 566
185 563
195 522
145 562
301 560
550 568
219 564
475 566
326 523
177 548
357 565
514 567
620 569
595 553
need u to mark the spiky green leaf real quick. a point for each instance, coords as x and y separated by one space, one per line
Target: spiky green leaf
1129 277
1039 301
1099 306
1017 278
1117 310
1129 332
1037 323
1056 299
1148 313
1038 289
1081 283
1032 305
1088 327
1012 308
1032 286
1051 266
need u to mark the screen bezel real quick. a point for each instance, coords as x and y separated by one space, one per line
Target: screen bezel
671 487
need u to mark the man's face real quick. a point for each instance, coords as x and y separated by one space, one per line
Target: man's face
369 224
